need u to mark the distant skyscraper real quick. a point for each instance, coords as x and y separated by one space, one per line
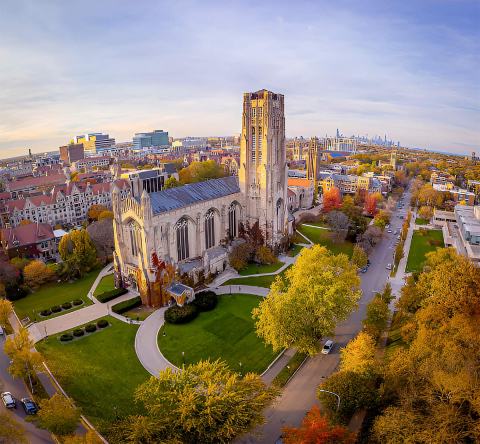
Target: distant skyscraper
95 142
338 134
72 152
152 139
313 158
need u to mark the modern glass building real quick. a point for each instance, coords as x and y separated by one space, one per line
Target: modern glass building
153 139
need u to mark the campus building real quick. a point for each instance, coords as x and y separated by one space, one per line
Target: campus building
155 138
191 226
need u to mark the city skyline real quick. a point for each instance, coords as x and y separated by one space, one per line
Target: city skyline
408 70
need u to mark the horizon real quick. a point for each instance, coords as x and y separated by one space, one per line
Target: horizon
406 70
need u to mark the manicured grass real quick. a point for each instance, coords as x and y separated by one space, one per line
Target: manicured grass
324 237
106 284
226 333
421 221
140 313
423 241
286 373
100 372
259 269
55 294
257 281
294 250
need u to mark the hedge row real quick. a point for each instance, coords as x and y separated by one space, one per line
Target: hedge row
205 300
181 315
124 306
79 332
59 308
111 294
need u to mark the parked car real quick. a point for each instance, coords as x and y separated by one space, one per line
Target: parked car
364 269
389 231
8 400
389 266
29 406
327 348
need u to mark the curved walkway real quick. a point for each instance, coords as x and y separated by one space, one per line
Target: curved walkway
146 345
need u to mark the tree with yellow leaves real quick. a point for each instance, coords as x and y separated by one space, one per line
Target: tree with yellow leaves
6 309
36 273
359 354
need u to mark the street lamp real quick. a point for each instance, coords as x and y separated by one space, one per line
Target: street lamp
332 393
183 357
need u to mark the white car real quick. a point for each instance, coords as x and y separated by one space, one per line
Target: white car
8 400
389 266
327 348
389 231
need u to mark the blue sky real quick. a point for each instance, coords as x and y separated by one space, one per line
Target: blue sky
406 68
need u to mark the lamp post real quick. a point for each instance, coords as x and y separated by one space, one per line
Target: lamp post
240 364
183 358
332 393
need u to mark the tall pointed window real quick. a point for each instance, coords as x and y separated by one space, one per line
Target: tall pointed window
181 229
232 220
210 229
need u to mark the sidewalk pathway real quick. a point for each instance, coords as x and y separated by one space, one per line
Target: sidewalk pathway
104 272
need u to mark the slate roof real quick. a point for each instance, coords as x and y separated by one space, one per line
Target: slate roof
193 193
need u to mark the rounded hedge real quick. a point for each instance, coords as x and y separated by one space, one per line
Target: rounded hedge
181 315
90 328
78 332
77 302
102 323
46 312
67 305
56 309
66 337
205 300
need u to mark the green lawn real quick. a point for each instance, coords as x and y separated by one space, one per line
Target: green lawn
257 281
226 333
421 221
100 372
323 237
423 241
106 284
55 294
258 268
294 250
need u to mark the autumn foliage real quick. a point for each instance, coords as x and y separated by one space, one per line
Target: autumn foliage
332 200
370 205
316 429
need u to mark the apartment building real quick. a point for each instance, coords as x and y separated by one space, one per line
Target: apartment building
348 183
34 185
67 204
91 162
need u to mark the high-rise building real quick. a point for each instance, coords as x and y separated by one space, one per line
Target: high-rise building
72 152
155 138
263 165
94 143
313 159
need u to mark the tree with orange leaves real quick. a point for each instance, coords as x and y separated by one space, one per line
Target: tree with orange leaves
316 429
332 199
370 205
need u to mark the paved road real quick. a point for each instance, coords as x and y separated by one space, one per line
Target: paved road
18 389
299 395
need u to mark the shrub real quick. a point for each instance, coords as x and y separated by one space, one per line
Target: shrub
205 301
124 306
181 315
78 332
90 328
240 256
102 323
16 292
77 302
46 312
265 255
66 305
66 337
56 309
111 294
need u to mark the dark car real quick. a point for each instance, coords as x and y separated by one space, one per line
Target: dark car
29 406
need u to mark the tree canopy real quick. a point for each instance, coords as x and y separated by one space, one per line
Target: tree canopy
200 171
77 252
318 291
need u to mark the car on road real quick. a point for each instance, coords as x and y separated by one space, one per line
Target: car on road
327 348
364 269
8 400
389 266
389 231
401 217
29 406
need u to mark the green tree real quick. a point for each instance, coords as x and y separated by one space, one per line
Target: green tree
11 432
204 403
200 171
359 257
172 182
377 316
58 415
356 391
318 291
78 252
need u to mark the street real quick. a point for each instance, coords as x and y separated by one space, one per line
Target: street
17 388
300 393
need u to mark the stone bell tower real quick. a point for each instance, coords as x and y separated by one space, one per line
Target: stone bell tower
263 163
